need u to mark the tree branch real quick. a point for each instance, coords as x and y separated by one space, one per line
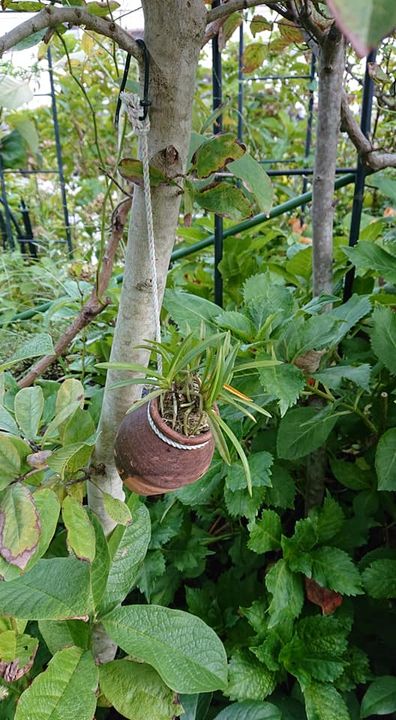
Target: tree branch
374 159
94 305
222 11
52 16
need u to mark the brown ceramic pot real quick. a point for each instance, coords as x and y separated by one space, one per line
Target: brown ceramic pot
148 457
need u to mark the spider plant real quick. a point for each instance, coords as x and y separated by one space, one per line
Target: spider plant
197 373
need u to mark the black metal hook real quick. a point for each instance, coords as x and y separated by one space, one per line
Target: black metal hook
145 103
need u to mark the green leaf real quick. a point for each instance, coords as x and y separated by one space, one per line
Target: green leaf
380 698
225 200
53 589
287 593
102 9
19 525
383 337
79 428
332 377
64 633
153 568
385 460
248 678
7 422
253 56
283 489
14 92
137 691
38 345
328 520
101 564
132 170
385 184
250 710
316 650
29 406
17 653
10 461
239 324
367 256
256 180
195 706
117 510
323 702
265 534
186 653
80 532
128 547
71 391
264 299
332 568
189 311
351 475
297 548
364 25
70 458
48 507
260 470
348 314
379 579
284 382
66 689
259 23
214 154
303 430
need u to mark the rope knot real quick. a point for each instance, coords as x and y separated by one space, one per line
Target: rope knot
133 108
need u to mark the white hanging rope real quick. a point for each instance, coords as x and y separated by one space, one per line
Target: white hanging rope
167 440
142 128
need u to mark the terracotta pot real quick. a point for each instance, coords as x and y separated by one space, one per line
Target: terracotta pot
151 458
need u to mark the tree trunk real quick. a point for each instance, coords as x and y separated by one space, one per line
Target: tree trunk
331 70
174 32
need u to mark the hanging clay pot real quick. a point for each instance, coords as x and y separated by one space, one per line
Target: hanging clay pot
151 458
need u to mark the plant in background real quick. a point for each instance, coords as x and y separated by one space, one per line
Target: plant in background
195 374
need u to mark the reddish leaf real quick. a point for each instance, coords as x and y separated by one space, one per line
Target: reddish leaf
328 600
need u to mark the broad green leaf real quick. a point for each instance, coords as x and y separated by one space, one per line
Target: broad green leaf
367 256
58 423
132 170
7 422
101 564
53 589
190 311
239 324
195 706
316 650
324 702
17 653
253 56
38 345
385 460
70 458
383 337
256 180
214 154
364 24
284 382
59 634
351 475
79 428
29 406
283 489
266 300
259 23
19 525
29 133
303 430
30 41
186 653
380 698
10 461
332 568
137 691
287 593
250 710
70 391
265 534
385 184
48 507
80 532
379 579
65 690
248 678
225 200
128 547
332 377
117 510
102 9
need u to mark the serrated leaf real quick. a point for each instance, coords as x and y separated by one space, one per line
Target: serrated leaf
80 532
225 200
238 323
284 382
214 154
296 550
367 256
323 702
38 345
385 461
66 689
248 678
117 510
316 650
332 377
379 579
19 525
303 430
54 589
333 568
137 691
132 170
328 520
265 534
153 568
383 337
364 25
128 547
260 469
29 406
287 593
241 504
380 698
186 653
256 180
